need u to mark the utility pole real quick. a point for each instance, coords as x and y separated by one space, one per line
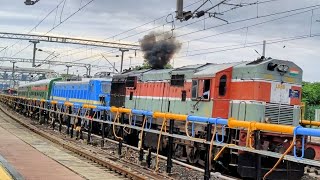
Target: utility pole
35 42
14 83
122 53
68 66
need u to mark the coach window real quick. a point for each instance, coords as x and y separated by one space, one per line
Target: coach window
223 85
194 90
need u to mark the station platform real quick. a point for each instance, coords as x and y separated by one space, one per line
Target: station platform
5 174
21 161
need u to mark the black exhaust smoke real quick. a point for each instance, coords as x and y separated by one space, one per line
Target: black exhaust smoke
159 48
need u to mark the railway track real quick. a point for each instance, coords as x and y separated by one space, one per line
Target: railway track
125 171
312 172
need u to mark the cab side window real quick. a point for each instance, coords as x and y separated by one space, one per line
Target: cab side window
201 89
223 85
194 90
206 89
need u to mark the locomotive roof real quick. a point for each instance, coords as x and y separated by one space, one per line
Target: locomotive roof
210 70
40 82
189 67
258 69
83 81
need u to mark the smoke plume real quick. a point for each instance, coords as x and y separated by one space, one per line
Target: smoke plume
159 48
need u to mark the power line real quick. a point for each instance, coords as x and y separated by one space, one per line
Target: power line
37 25
134 28
241 46
243 20
245 27
249 19
241 4
175 28
61 22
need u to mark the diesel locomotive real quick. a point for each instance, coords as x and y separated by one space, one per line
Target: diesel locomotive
265 90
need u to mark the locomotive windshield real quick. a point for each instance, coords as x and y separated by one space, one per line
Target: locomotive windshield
105 87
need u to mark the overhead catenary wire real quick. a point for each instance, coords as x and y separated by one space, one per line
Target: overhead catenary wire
255 44
248 19
127 36
150 29
40 22
57 25
131 29
244 27
251 18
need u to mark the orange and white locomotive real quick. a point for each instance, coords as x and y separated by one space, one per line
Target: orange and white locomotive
264 90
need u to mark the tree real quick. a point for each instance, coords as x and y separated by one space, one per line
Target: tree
311 93
146 65
311 96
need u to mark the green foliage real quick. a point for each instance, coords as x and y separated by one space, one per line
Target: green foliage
311 96
311 93
66 76
146 65
310 111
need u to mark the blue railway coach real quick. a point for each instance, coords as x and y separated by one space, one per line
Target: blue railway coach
89 91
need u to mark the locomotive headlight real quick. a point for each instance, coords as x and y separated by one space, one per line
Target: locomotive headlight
283 68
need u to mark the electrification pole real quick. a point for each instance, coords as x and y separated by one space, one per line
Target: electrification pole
14 83
122 53
35 42
68 66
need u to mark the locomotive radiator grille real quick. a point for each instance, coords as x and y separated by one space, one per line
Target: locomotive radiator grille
279 113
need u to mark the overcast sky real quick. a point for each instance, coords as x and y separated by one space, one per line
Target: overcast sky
103 20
